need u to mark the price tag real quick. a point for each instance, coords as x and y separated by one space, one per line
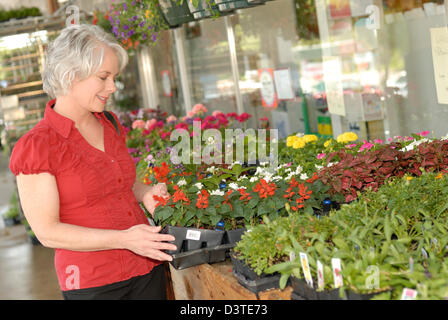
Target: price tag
193 235
306 269
337 272
408 294
320 276
292 256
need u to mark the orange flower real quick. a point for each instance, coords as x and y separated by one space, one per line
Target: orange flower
161 173
161 200
226 198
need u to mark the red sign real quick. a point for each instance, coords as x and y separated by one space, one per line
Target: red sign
340 9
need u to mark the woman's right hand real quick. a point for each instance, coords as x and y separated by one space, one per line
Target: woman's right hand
146 241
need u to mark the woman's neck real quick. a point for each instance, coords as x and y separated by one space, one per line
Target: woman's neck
69 108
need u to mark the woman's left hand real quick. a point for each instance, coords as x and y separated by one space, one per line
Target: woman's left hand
160 190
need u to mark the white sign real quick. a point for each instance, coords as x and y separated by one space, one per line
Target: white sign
408 294
193 235
337 272
267 90
332 68
283 84
306 269
320 276
439 46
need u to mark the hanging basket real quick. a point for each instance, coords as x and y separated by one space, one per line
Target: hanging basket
231 5
176 14
204 9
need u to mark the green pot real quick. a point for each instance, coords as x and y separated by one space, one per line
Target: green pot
176 14
203 10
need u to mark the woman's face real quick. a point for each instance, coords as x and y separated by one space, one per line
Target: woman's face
93 92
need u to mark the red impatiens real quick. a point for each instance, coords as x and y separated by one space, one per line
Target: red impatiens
264 189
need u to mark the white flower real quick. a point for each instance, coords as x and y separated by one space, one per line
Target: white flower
198 185
217 192
233 186
318 167
414 144
253 179
303 176
182 182
211 169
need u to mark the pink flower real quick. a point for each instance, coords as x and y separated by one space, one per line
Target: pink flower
233 115
164 135
366 146
217 113
423 133
199 108
190 114
349 146
321 155
150 123
138 124
181 126
378 141
171 118
389 140
244 117
264 119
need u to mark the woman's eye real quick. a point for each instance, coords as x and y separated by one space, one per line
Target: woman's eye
104 79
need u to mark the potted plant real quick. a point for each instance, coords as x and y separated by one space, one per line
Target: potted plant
176 12
11 217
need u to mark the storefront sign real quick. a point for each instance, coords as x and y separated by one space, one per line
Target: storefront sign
166 83
439 46
372 107
267 90
283 84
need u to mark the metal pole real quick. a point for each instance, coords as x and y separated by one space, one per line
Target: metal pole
234 64
178 39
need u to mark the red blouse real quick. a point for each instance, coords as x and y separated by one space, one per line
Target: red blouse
95 191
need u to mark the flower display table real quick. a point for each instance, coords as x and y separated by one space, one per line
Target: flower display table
216 282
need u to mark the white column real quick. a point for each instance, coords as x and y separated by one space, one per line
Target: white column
178 39
148 78
234 64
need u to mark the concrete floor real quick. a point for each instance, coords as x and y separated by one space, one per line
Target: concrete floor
26 271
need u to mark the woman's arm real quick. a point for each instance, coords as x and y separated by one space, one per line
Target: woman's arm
144 193
39 198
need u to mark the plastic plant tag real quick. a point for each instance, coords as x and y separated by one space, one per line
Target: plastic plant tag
408 294
337 275
292 256
411 265
193 235
306 268
320 276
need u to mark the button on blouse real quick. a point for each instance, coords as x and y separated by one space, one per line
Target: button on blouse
95 191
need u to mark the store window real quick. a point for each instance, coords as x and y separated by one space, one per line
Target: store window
166 71
208 65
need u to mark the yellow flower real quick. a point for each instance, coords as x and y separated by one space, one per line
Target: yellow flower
409 178
327 143
439 176
298 144
146 13
290 140
347 137
309 138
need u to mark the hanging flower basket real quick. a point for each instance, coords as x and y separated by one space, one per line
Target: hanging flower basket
176 13
137 22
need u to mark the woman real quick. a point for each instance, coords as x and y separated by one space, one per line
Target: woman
77 182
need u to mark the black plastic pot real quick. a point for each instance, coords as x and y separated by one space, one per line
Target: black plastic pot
207 239
257 285
230 5
240 267
233 236
9 222
203 10
303 289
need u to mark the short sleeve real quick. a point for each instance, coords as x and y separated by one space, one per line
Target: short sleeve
31 155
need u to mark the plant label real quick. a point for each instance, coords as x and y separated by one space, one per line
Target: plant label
320 276
408 294
193 235
337 272
292 256
306 269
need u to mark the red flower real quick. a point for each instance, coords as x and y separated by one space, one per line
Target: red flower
161 201
226 198
243 117
202 202
161 173
179 195
264 189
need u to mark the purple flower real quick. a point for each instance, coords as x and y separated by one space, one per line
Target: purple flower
125 27
143 36
141 24
115 30
130 33
154 37
117 22
134 18
125 6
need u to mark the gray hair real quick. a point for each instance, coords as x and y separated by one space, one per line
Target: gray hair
78 51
